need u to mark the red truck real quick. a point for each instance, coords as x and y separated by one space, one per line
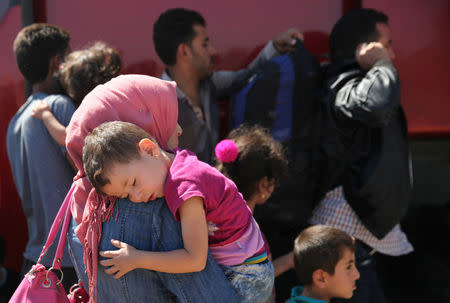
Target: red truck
238 30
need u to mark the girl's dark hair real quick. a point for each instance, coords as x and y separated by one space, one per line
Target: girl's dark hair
259 156
355 27
83 70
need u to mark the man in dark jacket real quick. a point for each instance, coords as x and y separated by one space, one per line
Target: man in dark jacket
365 138
349 158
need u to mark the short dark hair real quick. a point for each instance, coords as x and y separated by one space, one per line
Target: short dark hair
83 70
319 247
355 27
109 143
173 27
259 156
34 47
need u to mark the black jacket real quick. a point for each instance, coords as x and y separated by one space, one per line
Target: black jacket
364 143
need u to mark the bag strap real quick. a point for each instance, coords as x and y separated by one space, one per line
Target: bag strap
64 211
63 236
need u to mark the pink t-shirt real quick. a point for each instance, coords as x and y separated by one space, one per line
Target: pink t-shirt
237 252
227 215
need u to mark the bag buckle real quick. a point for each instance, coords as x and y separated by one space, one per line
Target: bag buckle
47 279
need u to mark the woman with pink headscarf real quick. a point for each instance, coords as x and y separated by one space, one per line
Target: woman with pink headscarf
150 103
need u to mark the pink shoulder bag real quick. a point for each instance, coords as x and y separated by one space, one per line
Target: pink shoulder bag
43 286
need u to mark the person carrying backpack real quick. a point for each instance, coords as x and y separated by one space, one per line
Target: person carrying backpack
182 43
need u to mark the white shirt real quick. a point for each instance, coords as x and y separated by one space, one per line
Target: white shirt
334 211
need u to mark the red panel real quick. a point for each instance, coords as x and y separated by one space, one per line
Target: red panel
350 4
420 32
12 220
236 28
40 11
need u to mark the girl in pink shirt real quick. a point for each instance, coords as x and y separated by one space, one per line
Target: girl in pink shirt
121 159
255 161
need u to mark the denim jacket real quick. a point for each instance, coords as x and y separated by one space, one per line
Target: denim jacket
151 226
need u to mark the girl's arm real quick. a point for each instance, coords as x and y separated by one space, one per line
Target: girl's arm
283 263
56 129
191 258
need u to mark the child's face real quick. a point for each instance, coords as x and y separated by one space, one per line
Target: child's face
139 180
343 282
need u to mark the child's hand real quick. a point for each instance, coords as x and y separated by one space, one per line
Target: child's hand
122 260
39 109
283 263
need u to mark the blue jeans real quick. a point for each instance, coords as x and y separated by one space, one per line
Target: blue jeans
151 226
253 282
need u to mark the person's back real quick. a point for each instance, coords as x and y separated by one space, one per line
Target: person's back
42 173
161 234
324 260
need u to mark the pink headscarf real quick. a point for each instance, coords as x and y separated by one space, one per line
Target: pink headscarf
146 101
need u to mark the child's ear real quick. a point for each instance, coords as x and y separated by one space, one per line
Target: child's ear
147 146
319 278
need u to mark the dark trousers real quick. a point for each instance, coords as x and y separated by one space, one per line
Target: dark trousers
70 276
368 288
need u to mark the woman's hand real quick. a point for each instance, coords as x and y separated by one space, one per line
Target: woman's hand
122 260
